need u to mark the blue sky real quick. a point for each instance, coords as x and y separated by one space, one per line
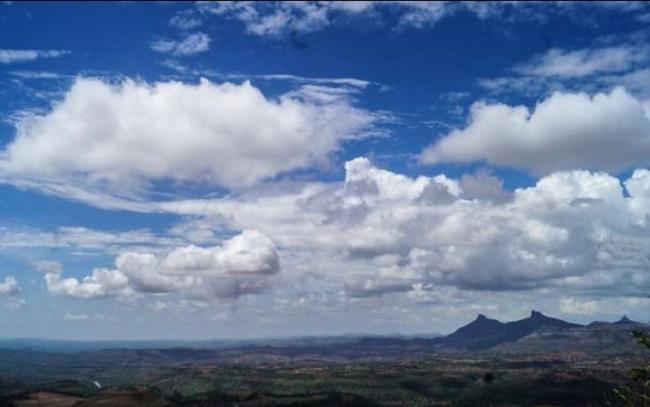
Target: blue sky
181 170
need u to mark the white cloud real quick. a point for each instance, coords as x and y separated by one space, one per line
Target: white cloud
10 56
606 131
584 62
574 231
271 18
637 81
349 85
277 18
119 137
84 191
352 82
101 283
185 21
242 265
75 237
621 61
382 233
48 266
191 44
384 244
10 286
37 75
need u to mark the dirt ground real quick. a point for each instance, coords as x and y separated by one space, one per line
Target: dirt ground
45 399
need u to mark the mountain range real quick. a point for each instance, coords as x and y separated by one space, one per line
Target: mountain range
485 333
536 334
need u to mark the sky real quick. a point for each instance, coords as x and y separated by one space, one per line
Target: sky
238 170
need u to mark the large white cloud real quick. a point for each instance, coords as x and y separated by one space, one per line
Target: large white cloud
606 131
380 232
122 136
242 265
384 244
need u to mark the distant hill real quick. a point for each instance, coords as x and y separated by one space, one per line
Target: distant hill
485 333
595 338
537 334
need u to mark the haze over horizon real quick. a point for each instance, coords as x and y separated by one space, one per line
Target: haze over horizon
245 170
23 342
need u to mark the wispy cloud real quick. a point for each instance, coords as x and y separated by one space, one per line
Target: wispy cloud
278 18
622 62
185 21
191 44
37 75
75 238
359 83
10 56
69 316
188 71
584 62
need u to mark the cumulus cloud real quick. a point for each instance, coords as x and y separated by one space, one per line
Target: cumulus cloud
606 131
9 286
101 283
582 231
119 137
10 56
241 265
191 44
483 186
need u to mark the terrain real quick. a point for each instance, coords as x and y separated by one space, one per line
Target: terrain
536 361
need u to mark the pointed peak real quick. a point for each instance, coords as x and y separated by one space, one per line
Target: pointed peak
536 314
624 319
481 317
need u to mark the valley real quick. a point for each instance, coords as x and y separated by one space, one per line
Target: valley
537 361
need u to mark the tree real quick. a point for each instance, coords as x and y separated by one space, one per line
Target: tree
637 394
